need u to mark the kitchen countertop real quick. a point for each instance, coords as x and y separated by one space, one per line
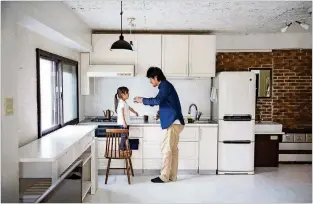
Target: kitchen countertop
140 122
53 145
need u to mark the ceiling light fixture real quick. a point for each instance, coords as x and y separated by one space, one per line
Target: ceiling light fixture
303 25
284 29
121 43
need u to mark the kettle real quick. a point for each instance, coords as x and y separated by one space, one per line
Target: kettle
108 114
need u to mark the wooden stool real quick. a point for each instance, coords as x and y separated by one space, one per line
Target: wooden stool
113 151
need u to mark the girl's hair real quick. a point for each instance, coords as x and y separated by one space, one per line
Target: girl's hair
121 90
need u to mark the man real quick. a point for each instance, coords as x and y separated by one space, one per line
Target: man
171 119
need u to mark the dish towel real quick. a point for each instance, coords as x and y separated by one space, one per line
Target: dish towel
213 96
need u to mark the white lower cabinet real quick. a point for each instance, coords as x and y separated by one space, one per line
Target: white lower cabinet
197 149
208 148
119 163
152 164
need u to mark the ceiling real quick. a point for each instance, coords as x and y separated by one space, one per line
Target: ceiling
195 15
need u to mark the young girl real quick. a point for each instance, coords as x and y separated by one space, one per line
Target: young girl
122 109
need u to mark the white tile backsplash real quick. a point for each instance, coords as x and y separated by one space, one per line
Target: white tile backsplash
102 91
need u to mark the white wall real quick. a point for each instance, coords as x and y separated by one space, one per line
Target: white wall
18 80
264 41
102 91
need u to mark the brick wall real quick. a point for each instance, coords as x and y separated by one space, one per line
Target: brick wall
291 101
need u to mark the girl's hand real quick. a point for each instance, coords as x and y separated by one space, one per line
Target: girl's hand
125 126
136 114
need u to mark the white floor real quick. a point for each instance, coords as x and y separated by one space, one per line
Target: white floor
288 183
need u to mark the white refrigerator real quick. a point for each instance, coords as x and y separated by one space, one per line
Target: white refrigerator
234 109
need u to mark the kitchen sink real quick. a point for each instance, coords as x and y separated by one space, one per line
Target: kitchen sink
201 122
267 126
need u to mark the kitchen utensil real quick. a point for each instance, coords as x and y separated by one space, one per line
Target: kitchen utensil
157 117
108 114
145 118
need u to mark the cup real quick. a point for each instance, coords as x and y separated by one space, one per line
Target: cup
145 118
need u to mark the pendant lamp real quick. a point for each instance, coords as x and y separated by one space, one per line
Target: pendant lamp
121 43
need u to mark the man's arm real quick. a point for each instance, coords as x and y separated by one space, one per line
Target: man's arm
162 95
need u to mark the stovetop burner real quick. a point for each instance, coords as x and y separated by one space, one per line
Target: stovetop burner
103 119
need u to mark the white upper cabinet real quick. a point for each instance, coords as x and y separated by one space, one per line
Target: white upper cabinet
202 51
101 53
189 55
149 52
175 55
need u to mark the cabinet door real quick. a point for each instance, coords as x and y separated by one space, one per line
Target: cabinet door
101 44
208 148
84 80
175 55
189 134
149 49
202 51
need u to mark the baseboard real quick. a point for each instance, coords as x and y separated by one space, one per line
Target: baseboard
137 172
207 172
182 172
295 162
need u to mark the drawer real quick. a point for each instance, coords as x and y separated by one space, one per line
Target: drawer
189 134
188 150
308 137
66 160
299 138
119 163
135 153
152 163
188 164
135 132
288 138
153 134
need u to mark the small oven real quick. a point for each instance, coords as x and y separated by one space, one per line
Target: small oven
101 130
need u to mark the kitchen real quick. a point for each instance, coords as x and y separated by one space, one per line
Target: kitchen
284 54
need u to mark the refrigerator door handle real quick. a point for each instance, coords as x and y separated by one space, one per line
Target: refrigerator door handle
237 142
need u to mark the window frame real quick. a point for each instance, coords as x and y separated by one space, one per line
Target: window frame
59 60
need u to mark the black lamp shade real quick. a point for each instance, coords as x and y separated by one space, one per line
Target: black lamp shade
121 44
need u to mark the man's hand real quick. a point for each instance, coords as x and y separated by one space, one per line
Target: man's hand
137 114
138 99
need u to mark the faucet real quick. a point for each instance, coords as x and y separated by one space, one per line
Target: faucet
198 113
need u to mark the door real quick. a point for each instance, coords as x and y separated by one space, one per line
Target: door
208 148
236 94
236 130
175 55
149 49
236 157
202 55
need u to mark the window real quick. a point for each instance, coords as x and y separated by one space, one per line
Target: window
57 92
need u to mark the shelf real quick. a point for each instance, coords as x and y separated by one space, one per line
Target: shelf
85 188
85 157
35 190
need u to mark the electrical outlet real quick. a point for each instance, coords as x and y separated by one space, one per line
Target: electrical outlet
8 106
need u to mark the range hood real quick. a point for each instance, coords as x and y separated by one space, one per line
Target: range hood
111 71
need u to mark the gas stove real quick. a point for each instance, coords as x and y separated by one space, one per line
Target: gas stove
103 119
